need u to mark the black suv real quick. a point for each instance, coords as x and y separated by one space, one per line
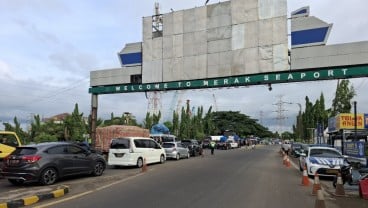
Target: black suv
47 162
193 146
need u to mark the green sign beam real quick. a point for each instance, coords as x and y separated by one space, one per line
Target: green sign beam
245 80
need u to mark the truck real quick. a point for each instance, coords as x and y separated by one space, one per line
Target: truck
9 140
104 135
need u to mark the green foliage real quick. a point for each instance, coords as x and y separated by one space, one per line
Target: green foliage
343 97
148 121
242 124
45 137
317 112
75 126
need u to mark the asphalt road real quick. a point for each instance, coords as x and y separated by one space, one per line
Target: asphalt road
232 178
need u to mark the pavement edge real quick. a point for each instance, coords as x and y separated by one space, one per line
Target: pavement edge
29 200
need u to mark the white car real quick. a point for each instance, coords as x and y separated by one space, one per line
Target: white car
325 161
134 151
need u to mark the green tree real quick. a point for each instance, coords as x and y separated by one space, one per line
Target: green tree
75 126
148 121
175 123
343 96
45 137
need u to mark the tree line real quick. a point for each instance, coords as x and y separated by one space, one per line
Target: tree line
189 125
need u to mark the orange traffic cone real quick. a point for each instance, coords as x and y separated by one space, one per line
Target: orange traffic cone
305 179
287 162
339 191
320 200
144 166
316 184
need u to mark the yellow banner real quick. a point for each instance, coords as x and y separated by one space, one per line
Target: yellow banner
346 121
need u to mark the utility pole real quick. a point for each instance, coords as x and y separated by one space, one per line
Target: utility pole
261 117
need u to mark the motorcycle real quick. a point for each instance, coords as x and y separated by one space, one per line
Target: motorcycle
351 173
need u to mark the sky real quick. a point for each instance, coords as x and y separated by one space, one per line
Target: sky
49 47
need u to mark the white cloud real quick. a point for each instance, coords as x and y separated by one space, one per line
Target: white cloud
47 49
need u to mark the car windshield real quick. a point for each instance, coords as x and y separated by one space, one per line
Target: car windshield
168 145
324 153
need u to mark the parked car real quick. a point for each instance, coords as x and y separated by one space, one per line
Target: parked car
232 143
193 146
175 150
132 151
206 143
47 162
295 149
324 161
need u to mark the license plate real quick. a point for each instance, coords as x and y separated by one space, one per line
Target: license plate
332 171
13 162
119 154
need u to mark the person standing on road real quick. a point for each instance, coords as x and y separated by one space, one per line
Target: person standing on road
212 146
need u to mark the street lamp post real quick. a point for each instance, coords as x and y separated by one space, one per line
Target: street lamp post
298 127
355 121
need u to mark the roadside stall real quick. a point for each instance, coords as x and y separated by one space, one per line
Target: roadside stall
348 137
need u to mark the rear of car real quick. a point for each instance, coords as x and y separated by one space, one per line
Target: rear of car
175 150
324 161
47 162
132 151
193 146
296 149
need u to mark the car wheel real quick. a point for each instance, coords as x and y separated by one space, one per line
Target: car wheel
48 176
177 156
162 159
98 169
140 162
16 182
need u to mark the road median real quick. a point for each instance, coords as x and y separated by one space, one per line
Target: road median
35 198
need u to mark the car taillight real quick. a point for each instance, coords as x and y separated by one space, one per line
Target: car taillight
31 158
6 158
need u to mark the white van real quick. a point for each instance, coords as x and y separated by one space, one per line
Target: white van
131 151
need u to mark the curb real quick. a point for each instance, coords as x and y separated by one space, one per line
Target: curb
61 191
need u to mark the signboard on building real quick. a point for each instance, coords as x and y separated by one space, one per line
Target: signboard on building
347 121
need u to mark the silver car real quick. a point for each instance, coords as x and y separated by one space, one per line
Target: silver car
175 150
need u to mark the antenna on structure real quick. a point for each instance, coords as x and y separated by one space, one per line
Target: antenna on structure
154 102
214 102
157 21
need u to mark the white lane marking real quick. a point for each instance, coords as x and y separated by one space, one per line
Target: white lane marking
88 192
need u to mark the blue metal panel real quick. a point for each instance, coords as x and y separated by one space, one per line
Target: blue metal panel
303 11
131 58
310 36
